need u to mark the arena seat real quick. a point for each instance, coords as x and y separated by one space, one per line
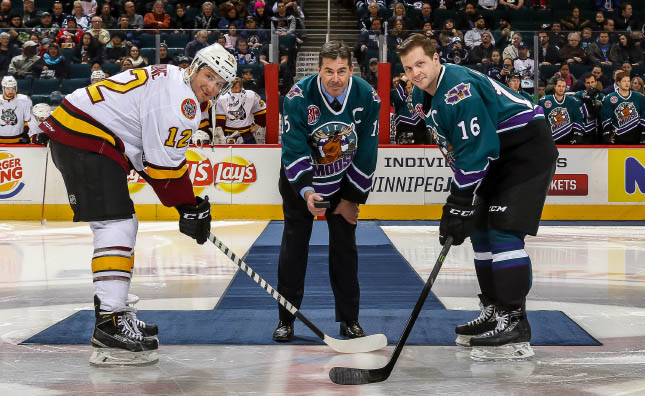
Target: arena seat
24 85
44 86
111 68
175 40
79 70
69 85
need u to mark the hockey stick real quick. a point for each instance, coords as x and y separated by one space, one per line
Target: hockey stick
357 376
43 221
355 345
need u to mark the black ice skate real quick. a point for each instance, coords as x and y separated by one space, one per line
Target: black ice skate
147 329
485 322
117 342
509 340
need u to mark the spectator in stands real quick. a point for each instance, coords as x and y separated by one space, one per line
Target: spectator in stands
88 51
206 20
457 54
627 68
599 51
608 6
46 28
82 21
254 37
557 37
164 57
481 54
89 7
230 18
285 25
449 32
425 16
135 21
53 60
27 63
637 85
96 66
609 27
511 5
398 12
541 90
547 54
473 38
523 64
368 41
183 62
242 54
158 19
625 51
371 73
362 7
626 21
603 80
504 34
7 52
70 35
41 48
512 51
495 65
58 16
5 12
573 52
374 11
181 22
487 5
613 87
19 36
126 64
197 44
598 22
136 58
574 21
30 17
466 20
130 37
109 21
397 34
116 50
262 16
587 38
249 82
97 31
565 74
504 72
428 31
240 7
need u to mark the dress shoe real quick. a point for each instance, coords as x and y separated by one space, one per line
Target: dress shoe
351 329
284 332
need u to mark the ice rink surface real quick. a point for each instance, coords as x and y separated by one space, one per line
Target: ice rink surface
596 275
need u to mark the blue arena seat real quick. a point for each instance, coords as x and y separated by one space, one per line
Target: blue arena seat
147 40
35 99
79 70
70 85
150 54
111 68
175 40
24 86
44 86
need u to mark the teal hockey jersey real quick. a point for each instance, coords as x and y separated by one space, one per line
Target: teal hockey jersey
328 150
589 113
475 119
403 107
622 118
564 117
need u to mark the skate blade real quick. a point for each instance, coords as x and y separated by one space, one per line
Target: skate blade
463 340
119 357
509 352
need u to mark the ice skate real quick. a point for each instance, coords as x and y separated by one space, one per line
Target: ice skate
146 329
117 342
485 322
509 340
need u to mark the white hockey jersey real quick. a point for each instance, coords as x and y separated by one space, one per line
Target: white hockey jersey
15 116
141 116
238 111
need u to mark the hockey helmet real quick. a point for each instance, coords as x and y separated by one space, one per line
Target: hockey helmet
41 111
9 82
220 60
97 75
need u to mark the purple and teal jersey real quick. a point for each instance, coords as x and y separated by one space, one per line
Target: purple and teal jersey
564 117
327 149
622 115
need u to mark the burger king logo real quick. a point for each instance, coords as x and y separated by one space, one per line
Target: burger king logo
10 175
234 174
135 182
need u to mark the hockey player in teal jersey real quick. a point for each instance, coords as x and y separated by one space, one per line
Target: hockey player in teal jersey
622 114
591 100
409 127
563 114
329 152
503 158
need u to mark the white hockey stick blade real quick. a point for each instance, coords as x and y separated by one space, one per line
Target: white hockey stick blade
357 345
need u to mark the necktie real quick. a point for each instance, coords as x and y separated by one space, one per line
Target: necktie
335 105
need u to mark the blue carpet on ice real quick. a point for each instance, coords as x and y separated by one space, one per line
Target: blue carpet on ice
246 314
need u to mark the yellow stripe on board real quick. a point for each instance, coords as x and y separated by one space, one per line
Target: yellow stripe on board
378 212
112 263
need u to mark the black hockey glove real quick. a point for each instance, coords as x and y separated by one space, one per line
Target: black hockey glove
576 137
458 216
195 221
41 138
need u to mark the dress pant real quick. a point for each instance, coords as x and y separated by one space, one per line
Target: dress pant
292 264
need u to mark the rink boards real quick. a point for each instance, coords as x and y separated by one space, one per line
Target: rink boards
410 182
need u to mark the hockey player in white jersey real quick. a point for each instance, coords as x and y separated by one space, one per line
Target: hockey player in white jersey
39 113
139 119
240 113
15 113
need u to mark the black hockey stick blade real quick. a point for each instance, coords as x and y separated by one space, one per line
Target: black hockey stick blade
357 376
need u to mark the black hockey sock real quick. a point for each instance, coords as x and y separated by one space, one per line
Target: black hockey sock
483 263
511 268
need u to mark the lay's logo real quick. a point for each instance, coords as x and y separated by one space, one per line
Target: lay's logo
234 174
10 175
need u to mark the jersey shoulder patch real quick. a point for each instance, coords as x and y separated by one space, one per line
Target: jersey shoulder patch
458 93
294 92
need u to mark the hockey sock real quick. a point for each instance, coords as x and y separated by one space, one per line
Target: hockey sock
483 263
511 268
